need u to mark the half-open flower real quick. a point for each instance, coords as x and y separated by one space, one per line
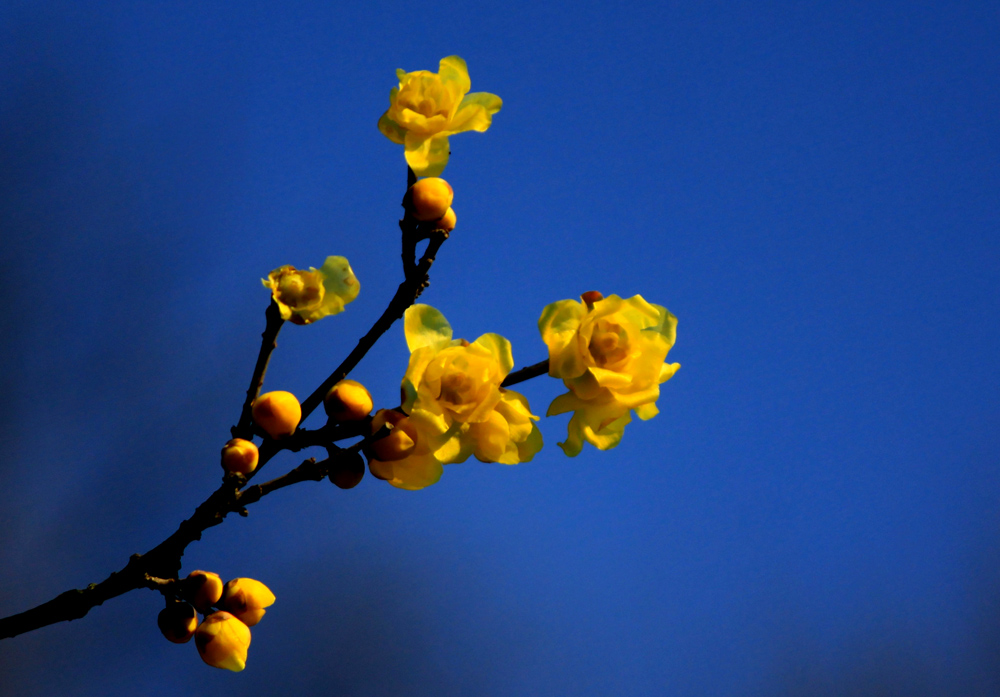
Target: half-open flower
306 296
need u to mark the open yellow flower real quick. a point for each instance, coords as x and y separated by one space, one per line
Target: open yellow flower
454 405
428 107
610 353
306 296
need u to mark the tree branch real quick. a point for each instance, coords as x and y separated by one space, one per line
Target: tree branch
526 373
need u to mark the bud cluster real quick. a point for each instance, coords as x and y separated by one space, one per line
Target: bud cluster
229 610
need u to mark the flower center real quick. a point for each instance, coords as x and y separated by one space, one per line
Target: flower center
456 388
299 289
608 344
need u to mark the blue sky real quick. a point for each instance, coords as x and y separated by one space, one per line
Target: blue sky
811 189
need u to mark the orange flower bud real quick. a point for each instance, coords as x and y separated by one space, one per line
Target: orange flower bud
348 400
448 220
222 641
591 297
177 622
240 456
348 472
430 198
278 413
401 440
246 599
204 590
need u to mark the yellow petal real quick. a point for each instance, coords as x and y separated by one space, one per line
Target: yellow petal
424 325
427 155
454 69
391 130
558 326
475 113
667 371
499 348
646 411
492 437
527 448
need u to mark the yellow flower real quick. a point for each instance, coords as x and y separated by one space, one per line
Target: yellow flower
306 296
610 353
247 599
457 384
428 107
222 641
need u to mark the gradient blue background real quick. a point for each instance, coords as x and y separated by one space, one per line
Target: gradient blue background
811 188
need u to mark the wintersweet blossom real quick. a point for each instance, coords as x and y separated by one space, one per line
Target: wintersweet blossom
610 353
306 296
428 107
453 406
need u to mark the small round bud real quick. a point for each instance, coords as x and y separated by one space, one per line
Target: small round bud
278 413
591 297
204 590
348 471
240 456
222 641
246 599
401 440
348 400
430 198
448 220
177 622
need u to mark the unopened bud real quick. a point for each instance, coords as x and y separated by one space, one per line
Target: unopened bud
278 413
401 440
222 641
246 599
591 297
348 471
348 400
204 590
448 220
240 456
430 198
177 622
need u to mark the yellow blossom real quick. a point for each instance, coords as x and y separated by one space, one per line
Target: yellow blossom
247 599
306 296
222 641
428 107
610 353
457 385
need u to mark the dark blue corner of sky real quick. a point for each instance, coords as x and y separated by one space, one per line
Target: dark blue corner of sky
812 188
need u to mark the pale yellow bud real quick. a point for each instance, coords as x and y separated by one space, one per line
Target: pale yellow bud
278 413
348 400
430 198
240 456
246 599
204 590
177 622
222 641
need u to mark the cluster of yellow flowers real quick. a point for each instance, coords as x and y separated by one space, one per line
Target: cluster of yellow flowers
230 609
609 352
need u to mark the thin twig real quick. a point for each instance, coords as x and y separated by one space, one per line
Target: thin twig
269 341
526 373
